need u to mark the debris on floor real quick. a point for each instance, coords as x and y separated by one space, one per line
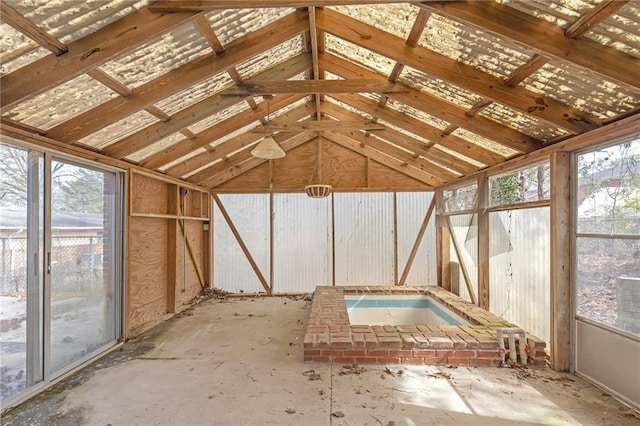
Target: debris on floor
290 411
351 369
311 374
391 373
440 375
337 414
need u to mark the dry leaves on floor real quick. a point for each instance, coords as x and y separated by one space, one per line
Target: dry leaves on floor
311 374
440 375
351 369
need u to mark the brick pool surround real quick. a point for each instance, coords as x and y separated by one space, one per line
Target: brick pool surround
330 336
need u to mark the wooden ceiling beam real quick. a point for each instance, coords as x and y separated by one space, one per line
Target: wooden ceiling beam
453 71
438 107
312 86
226 148
417 127
180 78
197 112
334 125
87 53
393 163
593 17
428 151
545 38
216 174
215 132
27 27
191 5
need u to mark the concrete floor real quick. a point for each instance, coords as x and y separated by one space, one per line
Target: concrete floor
239 362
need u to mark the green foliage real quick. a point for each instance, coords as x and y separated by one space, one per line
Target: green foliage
81 193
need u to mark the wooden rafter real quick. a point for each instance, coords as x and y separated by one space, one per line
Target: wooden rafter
534 64
223 150
244 161
27 27
312 86
448 69
437 107
85 54
313 38
194 113
598 14
546 38
214 132
429 152
182 5
179 79
335 125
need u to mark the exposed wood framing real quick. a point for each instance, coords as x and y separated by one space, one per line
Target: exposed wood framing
28 28
560 218
181 5
241 243
483 243
312 86
445 68
179 79
463 267
417 243
598 14
85 54
545 38
276 126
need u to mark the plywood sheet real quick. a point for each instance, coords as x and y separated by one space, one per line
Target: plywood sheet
187 282
294 171
382 177
148 195
256 179
342 168
146 291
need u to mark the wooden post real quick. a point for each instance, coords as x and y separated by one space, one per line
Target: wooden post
443 246
560 217
172 264
483 242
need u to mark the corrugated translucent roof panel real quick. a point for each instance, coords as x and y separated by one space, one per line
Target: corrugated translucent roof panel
288 108
485 143
562 13
70 20
229 136
395 18
526 124
582 90
156 147
219 116
437 87
61 103
417 114
231 24
620 30
268 58
497 56
161 55
354 53
195 93
119 130
460 156
18 50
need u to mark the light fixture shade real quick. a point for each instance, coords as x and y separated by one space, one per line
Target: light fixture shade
268 149
318 190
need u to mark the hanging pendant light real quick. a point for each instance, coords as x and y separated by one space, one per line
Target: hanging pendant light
268 148
317 190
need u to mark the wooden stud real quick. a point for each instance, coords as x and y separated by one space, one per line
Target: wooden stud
463 267
595 16
534 64
483 243
241 243
560 219
182 5
443 257
395 238
109 81
312 86
417 243
172 260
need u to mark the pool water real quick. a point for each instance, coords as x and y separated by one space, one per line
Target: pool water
399 310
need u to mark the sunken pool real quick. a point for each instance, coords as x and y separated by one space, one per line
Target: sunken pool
334 334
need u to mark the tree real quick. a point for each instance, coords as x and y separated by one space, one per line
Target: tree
82 192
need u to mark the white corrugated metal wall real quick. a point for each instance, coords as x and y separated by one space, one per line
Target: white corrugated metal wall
519 268
358 226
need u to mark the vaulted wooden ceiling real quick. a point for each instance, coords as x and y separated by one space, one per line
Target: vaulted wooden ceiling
431 91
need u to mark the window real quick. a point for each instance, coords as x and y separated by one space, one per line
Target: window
521 186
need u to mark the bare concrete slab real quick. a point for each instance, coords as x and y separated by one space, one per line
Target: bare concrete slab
239 362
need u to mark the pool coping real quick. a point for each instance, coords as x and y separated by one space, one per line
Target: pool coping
330 337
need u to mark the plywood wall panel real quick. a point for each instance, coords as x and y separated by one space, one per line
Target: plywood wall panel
146 290
382 177
342 168
149 195
195 240
293 172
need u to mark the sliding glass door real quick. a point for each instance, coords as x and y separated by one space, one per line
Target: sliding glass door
60 273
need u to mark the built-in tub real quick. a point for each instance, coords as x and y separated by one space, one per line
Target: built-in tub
331 337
